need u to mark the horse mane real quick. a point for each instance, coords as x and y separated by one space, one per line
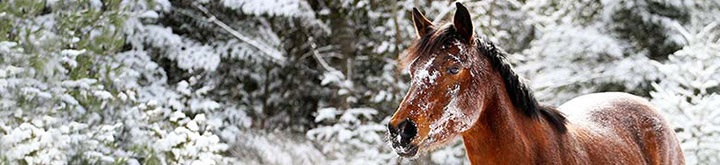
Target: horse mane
520 94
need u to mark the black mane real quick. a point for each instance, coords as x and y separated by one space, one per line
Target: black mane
520 94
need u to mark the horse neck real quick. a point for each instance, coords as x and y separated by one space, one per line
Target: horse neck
503 134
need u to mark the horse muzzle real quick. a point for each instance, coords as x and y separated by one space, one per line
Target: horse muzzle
401 137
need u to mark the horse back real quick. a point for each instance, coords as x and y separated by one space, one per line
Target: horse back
620 128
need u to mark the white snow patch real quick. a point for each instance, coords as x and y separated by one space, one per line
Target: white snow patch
37 92
426 73
83 83
102 94
183 87
149 14
333 76
459 46
69 99
326 113
452 113
72 52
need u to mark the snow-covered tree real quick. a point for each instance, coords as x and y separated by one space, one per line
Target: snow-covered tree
687 94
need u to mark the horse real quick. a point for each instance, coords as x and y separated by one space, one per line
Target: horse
464 86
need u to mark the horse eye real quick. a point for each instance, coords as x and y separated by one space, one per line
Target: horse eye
453 70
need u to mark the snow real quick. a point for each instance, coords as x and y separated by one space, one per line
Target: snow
150 14
36 92
452 112
69 99
154 82
425 75
292 8
102 94
183 87
204 105
175 116
326 113
332 77
71 52
84 83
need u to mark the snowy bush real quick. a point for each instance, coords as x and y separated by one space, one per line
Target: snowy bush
687 94
44 141
349 134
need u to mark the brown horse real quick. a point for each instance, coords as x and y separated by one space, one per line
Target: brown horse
464 85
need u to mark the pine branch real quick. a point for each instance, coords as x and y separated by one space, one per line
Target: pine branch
272 53
317 57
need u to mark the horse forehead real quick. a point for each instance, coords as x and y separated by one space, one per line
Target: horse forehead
454 51
426 69
433 62
424 62
437 57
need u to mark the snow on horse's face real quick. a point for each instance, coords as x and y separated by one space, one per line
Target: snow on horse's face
444 98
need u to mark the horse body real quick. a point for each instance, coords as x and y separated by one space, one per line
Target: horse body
603 128
465 86
623 124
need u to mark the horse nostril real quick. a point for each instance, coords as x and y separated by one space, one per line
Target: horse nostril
391 129
408 130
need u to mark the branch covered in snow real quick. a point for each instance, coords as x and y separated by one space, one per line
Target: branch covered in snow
272 53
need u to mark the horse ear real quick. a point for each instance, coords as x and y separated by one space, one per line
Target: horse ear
463 22
422 24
